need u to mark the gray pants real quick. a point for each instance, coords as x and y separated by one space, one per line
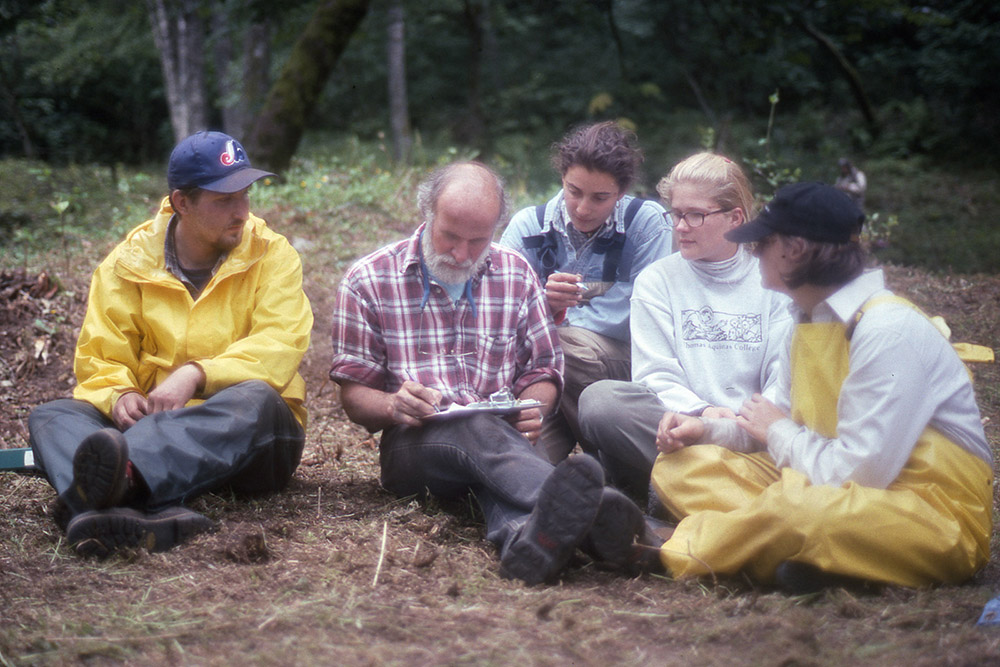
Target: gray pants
481 454
589 357
619 420
244 437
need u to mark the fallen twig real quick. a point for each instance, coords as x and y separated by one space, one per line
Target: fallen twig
381 555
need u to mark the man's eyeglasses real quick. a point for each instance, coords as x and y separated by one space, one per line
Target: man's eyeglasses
435 346
694 218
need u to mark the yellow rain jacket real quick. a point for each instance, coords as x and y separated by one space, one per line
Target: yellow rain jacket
252 321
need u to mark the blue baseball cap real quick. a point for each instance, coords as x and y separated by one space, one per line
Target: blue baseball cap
211 161
814 211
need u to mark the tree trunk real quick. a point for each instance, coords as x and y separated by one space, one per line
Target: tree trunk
242 79
608 7
471 127
851 74
399 114
278 127
179 34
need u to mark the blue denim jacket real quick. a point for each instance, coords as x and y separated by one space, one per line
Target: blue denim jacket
647 239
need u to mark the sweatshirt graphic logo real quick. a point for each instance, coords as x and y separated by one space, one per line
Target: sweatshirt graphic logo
233 154
709 325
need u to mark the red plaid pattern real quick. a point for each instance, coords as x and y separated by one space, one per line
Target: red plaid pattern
384 332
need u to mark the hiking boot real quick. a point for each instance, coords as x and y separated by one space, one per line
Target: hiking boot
645 556
101 532
567 505
100 476
619 521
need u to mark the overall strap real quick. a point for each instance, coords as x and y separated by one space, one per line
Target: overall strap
967 352
886 298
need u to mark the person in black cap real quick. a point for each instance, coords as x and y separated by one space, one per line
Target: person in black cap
186 364
872 465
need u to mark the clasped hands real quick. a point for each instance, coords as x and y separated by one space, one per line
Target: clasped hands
677 430
173 393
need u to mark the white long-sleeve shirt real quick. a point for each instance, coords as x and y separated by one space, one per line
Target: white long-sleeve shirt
904 376
706 333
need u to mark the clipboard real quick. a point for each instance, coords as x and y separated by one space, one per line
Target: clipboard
455 410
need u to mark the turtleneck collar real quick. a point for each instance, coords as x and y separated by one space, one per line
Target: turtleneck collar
729 270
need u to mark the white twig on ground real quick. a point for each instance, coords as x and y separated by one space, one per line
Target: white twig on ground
381 555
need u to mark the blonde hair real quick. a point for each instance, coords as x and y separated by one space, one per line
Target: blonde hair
723 181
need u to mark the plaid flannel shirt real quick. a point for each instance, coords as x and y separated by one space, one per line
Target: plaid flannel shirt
390 324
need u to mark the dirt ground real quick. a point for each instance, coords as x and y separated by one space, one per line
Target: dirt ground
337 571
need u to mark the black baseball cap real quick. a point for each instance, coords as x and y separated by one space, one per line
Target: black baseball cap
211 161
814 211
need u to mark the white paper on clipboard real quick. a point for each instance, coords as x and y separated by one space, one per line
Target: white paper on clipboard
455 410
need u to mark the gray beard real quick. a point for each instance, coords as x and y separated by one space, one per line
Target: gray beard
443 267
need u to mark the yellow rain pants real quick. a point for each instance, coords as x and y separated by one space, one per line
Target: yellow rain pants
740 513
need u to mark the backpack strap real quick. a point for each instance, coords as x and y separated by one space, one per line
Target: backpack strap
611 246
546 246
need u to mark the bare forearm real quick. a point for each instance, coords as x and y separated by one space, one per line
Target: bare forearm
366 406
545 392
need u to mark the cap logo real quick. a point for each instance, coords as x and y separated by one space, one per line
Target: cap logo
233 154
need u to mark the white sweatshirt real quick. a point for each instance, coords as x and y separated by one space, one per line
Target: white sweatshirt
706 333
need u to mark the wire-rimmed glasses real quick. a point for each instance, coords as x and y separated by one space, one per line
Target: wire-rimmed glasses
428 352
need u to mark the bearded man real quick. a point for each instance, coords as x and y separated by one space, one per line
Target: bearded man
447 318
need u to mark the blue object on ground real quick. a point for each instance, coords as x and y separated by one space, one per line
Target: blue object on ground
991 613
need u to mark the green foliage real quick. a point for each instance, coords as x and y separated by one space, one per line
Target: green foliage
84 79
927 215
55 215
321 183
945 215
767 173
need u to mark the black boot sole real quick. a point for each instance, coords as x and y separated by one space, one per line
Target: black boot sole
99 533
618 523
567 505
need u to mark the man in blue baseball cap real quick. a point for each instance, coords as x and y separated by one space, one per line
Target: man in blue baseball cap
186 364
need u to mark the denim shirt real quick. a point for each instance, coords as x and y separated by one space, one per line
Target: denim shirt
647 239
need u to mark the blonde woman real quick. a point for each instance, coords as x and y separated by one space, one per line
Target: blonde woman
705 334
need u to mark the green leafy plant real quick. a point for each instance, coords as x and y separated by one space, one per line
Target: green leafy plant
767 169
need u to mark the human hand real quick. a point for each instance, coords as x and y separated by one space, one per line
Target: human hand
128 409
174 392
528 422
412 402
562 291
715 412
676 431
756 415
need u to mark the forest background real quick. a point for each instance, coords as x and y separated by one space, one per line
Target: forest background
351 102
907 90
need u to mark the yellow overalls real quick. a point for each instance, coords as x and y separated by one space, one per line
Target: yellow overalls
740 513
